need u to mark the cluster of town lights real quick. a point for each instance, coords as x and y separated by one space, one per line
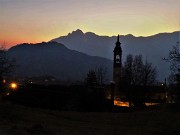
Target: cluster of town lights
12 85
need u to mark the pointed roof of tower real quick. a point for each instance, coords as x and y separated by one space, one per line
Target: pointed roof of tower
118 38
118 43
118 46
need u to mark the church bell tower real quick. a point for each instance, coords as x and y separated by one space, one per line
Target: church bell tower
117 66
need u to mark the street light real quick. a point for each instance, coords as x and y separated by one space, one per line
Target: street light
13 85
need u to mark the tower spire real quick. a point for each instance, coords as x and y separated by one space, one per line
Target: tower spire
118 38
118 44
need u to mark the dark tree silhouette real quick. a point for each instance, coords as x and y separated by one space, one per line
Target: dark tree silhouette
149 73
136 75
101 75
174 78
174 58
135 72
6 65
96 77
91 79
127 73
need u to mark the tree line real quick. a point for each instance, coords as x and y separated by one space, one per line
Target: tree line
174 78
134 72
137 72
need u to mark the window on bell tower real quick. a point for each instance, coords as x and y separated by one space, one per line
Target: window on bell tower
117 59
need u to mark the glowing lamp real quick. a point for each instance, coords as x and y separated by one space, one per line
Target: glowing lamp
13 85
4 81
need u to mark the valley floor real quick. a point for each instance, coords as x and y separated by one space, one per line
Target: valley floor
20 120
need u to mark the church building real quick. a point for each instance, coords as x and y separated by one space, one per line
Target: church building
122 95
117 65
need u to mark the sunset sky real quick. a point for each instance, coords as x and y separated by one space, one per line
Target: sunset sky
34 21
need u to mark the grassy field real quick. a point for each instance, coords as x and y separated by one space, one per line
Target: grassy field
20 120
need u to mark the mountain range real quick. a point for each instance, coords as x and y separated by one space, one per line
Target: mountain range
152 48
54 59
70 57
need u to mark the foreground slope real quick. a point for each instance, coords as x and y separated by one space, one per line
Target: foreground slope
19 120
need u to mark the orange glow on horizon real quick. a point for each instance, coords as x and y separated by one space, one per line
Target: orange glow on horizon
37 21
8 45
8 42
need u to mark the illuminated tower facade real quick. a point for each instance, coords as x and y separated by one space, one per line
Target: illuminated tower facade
117 67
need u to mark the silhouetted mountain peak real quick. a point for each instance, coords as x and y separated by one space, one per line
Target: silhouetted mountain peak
50 44
54 59
76 33
130 35
90 34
